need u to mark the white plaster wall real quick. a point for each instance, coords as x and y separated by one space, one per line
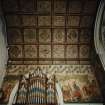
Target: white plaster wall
3 49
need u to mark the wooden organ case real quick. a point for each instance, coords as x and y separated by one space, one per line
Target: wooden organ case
37 89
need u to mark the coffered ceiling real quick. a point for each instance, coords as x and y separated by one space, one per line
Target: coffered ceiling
50 31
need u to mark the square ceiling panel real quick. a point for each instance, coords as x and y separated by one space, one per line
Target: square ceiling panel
29 20
44 6
59 6
10 5
14 36
13 20
73 20
44 20
15 51
72 51
44 35
59 35
87 21
84 51
30 36
75 6
45 51
59 21
90 6
30 51
27 6
57 49
72 36
85 35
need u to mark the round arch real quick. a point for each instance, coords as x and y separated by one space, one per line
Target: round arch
99 32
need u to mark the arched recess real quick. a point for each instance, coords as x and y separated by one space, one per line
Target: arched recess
99 32
3 49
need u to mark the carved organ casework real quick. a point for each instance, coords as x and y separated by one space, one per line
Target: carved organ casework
36 89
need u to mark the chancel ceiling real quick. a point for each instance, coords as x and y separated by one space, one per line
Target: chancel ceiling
53 31
55 34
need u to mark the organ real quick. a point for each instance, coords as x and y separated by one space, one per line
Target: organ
37 89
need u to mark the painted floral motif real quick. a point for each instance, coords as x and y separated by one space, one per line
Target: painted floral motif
45 51
44 35
84 51
59 21
16 70
85 35
30 51
44 20
58 36
15 51
72 36
59 6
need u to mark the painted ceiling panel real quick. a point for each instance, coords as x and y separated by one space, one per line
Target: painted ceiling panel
44 35
72 36
28 20
44 51
75 6
13 20
30 36
59 6
30 51
57 49
14 36
15 51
